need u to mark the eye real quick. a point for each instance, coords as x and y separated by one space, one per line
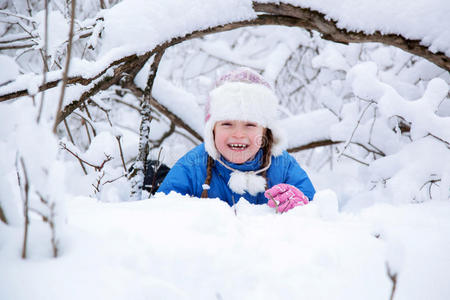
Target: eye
250 124
226 124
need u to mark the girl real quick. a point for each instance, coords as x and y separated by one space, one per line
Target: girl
243 154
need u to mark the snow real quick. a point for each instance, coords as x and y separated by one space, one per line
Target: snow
405 167
430 26
180 102
166 21
426 21
177 247
421 113
10 70
306 128
142 33
330 58
388 212
58 31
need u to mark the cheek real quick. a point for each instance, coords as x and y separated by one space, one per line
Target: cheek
219 138
259 139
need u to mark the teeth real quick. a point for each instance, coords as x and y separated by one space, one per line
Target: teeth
241 146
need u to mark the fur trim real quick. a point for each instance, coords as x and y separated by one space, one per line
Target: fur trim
241 182
245 102
255 184
280 141
238 182
208 139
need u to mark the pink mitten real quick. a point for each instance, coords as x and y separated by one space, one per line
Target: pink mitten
285 197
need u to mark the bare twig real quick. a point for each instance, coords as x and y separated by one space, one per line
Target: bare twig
393 277
118 137
17 45
98 183
121 155
50 220
72 141
30 10
430 182
372 125
275 202
86 120
355 159
26 28
331 156
112 180
45 66
39 213
26 189
66 70
96 167
2 215
51 223
127 104
375 150
85 107
332 111
234 205
43 55
439 139
25 18
84 123
354 130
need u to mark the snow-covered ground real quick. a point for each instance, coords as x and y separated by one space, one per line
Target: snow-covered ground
175 247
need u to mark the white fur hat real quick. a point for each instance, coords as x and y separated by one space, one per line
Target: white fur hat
243 95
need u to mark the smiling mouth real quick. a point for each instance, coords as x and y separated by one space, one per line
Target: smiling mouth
238 147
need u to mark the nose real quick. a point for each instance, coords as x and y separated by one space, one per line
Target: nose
238 132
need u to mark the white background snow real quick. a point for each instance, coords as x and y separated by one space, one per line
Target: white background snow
384 215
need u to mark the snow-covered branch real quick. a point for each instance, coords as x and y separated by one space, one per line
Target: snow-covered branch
315 20
274 14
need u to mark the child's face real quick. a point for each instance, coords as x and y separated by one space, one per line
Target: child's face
238 141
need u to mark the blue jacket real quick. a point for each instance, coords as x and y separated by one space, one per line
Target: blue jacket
189 173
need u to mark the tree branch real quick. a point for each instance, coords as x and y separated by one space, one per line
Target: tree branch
139 170
313 145
282 14
314 20
124 64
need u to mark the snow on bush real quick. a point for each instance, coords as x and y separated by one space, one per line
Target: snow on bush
35 171
413 163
